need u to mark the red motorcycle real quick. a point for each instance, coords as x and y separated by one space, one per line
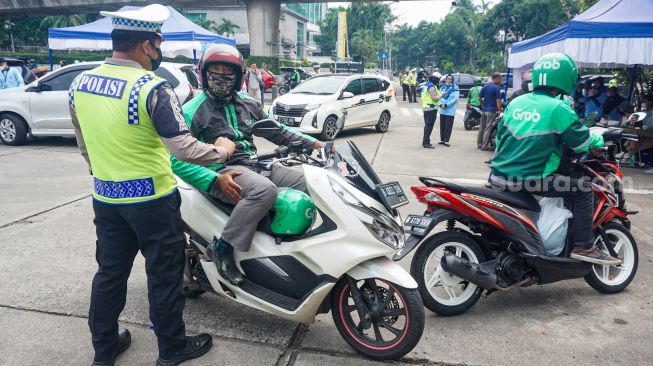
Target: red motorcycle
491 241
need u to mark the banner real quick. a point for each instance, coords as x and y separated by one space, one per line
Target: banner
341 42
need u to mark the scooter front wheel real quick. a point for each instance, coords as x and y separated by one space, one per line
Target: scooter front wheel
379 319
613 279
283 90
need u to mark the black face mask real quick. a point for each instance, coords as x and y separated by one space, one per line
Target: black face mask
156 63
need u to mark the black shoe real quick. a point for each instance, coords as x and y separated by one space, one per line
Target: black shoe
226 265
196 346
441 143
124 341
446 144
428 146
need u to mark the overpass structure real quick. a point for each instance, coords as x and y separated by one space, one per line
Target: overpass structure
262 15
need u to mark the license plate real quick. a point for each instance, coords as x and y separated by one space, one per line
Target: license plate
287 120
418 224
392 195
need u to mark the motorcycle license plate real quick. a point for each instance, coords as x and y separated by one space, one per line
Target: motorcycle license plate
287 120
418 224
392 195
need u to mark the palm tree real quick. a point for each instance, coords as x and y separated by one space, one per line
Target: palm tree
227 28
62 21
207 24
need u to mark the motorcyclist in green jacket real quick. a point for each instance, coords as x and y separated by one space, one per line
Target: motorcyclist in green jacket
530 147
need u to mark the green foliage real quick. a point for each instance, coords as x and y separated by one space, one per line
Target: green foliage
586 4
471 37
207 24
227 28
366 22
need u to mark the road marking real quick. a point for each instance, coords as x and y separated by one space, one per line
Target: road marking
460 113
405 112
418 111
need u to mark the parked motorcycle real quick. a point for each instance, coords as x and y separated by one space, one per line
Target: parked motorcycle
472 117
340 265
491 242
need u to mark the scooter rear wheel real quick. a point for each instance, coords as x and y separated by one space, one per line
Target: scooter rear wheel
391 324
613 279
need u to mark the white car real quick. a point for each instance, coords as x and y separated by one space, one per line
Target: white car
41 107
314 106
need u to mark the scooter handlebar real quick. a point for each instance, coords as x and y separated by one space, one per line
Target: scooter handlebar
278 153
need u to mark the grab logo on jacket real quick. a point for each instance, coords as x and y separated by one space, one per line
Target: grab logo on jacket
526 116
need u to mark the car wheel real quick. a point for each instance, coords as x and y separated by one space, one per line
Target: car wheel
384 123
330 129
13 130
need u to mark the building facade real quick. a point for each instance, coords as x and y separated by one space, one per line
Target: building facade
297 27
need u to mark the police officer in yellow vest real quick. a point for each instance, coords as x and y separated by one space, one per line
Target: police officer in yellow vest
126 120
430 96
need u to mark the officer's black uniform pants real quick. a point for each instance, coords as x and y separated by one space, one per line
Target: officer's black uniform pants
429 122
156 230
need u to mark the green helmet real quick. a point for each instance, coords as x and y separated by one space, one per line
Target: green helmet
555 70
294 212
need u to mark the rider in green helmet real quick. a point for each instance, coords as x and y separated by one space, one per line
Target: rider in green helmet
530 143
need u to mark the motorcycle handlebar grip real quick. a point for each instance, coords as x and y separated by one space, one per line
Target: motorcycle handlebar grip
278 153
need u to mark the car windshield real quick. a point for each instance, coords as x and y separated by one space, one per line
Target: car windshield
320 86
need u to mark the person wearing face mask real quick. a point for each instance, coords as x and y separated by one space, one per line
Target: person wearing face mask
127 121
220 111
9 78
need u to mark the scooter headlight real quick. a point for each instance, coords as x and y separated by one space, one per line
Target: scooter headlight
380 225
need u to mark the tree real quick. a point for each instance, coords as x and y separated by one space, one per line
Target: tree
361 16
227 27
62 21
586 4
363 44
207 24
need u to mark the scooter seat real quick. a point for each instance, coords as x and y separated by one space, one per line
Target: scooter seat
518 199
263 225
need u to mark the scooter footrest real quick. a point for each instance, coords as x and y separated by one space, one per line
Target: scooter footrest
269 296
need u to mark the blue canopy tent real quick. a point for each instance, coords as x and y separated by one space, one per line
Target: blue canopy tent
182 37
612 33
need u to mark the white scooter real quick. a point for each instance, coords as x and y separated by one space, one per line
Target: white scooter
342 264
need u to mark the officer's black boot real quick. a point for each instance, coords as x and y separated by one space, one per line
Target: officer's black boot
222 254
124 340
196 346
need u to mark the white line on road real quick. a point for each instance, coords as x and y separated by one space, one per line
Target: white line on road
405 112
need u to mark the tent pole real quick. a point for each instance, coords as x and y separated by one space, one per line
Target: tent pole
631 88
505 88
51 59
194 57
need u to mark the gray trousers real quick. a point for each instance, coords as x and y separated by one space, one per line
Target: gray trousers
483 138
256 200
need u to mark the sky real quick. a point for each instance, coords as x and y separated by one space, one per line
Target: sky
413 12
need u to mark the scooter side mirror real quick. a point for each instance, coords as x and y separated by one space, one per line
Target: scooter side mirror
265 125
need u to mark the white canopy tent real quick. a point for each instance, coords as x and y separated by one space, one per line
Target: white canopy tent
182 37
612 33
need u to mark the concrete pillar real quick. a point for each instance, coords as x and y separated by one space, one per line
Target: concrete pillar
263 23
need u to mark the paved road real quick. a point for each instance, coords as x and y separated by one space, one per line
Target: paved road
47 261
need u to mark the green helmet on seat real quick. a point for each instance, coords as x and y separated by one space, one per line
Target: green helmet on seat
294 212
555 70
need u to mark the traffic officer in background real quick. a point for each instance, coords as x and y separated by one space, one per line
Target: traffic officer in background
126 120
